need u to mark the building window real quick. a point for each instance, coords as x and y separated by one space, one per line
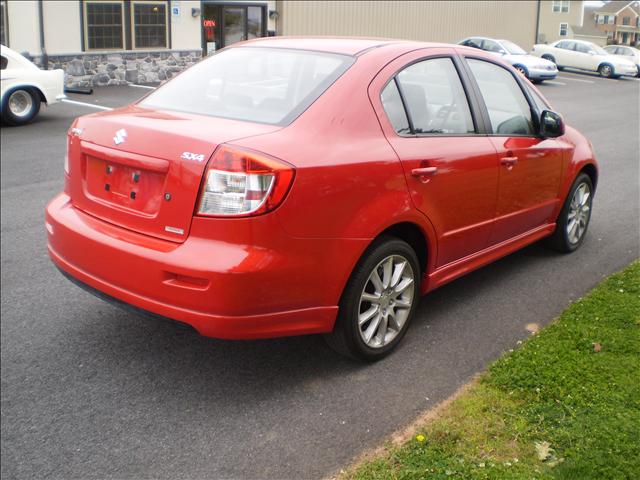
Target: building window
563 29
4 36
626 20
104 26
560 6
150 26
611 20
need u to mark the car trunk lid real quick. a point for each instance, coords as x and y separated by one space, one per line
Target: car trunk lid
141 169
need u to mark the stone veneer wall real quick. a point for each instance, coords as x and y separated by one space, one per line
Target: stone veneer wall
120 68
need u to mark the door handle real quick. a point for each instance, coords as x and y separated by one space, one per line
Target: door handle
423 172
509 161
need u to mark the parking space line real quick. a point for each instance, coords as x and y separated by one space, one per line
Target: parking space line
83 104
142 86
553 82
575 79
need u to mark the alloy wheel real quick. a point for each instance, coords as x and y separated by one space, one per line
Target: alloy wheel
386 301
20 103
605 71
579 213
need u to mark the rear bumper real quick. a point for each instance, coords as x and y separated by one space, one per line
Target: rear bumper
222 289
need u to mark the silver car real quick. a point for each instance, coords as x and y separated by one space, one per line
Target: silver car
534 68
627 52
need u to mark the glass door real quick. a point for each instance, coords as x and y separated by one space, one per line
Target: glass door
224 24
211 28
235 25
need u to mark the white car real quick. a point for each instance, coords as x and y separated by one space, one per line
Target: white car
23 87
534 68
585 56
630 53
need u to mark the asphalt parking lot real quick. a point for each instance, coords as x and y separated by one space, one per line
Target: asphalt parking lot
90 391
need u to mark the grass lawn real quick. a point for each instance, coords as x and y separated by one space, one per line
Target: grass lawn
566 404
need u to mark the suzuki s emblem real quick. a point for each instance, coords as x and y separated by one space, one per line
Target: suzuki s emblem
121 136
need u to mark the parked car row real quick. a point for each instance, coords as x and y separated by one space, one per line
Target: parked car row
545 60
612 62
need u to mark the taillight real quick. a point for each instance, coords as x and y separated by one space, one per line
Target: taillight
241 182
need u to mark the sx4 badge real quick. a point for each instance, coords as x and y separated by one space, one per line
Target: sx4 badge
198 157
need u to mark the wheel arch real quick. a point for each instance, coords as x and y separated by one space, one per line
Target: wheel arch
591 170
523 67
414 236
25 86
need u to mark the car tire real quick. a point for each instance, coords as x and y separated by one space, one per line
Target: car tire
537 81
372 320
551 58
522 70
576 209
20 106
605 70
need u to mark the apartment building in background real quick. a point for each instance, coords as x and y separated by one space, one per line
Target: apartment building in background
618 21
111 42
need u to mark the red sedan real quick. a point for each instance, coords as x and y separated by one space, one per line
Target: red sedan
291 186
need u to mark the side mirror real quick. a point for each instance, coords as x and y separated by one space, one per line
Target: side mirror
502 52
551 124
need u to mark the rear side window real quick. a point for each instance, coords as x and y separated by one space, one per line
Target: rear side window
491 46
509 111
435 98
265 85
392 104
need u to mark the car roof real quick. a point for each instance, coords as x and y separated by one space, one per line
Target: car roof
341 45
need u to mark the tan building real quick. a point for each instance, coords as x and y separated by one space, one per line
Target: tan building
111 42
436 21
557 17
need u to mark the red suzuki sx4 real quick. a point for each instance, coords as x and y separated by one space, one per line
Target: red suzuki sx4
290 186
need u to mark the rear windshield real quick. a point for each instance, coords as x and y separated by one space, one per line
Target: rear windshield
265 85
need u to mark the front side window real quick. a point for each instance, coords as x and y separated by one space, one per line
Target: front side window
150 26
582 48
435 99
264 85
104 25
564 27
512 48
508 109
